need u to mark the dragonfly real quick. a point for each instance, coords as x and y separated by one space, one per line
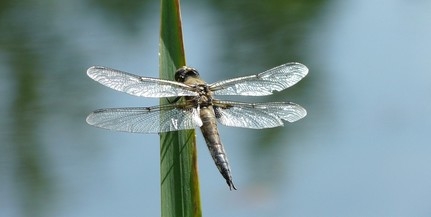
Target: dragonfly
195 106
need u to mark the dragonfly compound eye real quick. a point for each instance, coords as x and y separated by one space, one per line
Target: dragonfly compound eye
182 73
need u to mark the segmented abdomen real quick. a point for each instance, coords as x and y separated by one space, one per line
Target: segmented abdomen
212 138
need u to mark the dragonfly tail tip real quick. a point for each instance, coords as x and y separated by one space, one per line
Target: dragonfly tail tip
231 185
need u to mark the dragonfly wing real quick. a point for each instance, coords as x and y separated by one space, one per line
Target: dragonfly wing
145 119
138 85
278 78
257 115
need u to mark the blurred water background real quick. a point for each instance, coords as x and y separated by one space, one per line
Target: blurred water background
363 150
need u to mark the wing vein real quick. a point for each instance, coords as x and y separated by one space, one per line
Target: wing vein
275 79
138 85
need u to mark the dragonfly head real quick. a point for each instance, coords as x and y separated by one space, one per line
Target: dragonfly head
184 72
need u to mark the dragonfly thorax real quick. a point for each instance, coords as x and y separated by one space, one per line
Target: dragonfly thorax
205 97
190 77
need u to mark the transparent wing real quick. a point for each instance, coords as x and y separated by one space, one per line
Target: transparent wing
257 115
138 85
146 119
278 78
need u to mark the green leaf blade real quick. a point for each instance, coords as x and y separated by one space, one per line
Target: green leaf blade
180 194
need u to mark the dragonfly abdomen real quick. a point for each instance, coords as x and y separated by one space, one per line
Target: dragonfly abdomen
212 138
